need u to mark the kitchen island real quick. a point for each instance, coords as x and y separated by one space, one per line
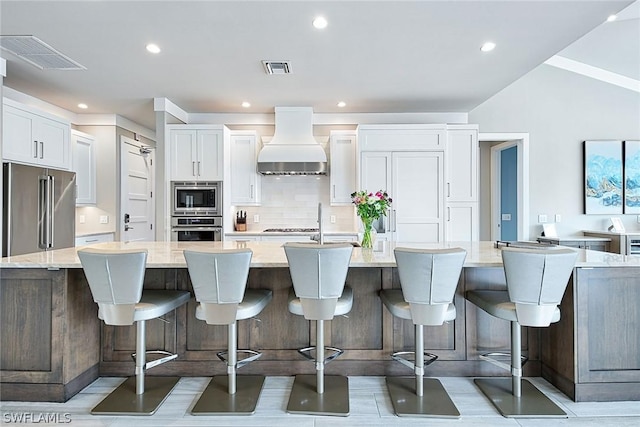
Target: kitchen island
52 343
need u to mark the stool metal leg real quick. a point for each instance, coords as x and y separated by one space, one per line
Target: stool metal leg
515 397
135 396
231 394
420 397
319 394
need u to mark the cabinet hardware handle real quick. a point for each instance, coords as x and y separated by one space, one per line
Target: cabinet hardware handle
334 191
198 168
448 189
449 214
35 148
251 192
41 150
395 218
90 241
193 168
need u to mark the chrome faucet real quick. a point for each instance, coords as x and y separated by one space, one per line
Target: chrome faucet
320 237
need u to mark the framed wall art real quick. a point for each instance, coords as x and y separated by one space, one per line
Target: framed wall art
632 177
603 177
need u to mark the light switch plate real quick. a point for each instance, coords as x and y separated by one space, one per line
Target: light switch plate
542 219
558 218
332 219
256 218
506 217
104 219
81 219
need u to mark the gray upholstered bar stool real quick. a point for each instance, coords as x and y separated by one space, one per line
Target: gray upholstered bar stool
219 279
318 272
116 279
429 278
536 281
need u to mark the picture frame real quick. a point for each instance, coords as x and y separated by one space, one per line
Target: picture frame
603 177
632 177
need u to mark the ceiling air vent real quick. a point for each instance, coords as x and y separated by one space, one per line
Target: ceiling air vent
38 53
277 67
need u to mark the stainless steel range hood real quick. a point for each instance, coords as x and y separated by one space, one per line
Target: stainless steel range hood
293 149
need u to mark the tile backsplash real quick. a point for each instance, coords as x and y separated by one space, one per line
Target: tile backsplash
292 201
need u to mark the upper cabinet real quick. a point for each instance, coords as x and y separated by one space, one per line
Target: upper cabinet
34 137
84 165
462 163
196 153
343 179
245 180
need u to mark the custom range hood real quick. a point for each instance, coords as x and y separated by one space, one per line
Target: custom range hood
293 149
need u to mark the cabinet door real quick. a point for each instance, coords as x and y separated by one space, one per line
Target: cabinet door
245 181
417 208
375 174
462 165
462 222
53 143
343 168
210 161
18 142
84 165
183 155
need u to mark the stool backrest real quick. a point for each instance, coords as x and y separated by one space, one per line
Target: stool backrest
318 273
219 279
115 278
536 281
429 278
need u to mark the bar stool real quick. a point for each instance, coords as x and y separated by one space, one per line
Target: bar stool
219 279
318 272
116 279
429 278
536 281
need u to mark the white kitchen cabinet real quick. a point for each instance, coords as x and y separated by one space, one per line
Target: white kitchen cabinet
241 238
34 137
94 238
336 238
415 182
402 137
286 238
245 180
462 222
84 165
343 167
462 164
196 153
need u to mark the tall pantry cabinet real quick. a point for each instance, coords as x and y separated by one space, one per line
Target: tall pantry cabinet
430 171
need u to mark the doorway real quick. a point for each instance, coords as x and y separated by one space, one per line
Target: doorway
504 207
137 210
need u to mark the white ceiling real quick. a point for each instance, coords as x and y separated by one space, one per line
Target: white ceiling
377 56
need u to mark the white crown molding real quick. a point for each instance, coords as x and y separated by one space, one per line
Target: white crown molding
164 104
594 72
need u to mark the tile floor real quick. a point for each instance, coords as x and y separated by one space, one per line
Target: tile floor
369 400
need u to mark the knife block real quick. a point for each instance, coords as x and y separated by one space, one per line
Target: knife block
241 226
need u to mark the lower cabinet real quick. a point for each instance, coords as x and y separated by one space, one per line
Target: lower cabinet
462 224
94 238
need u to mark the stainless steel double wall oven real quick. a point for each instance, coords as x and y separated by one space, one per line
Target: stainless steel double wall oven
196 211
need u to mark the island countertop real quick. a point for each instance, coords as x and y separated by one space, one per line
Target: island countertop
271 254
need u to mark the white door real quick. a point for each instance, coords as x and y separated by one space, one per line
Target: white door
418 196
136 186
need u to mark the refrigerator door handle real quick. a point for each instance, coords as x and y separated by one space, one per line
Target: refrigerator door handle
51 209
42 212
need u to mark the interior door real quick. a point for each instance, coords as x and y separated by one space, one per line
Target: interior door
136 186
418 196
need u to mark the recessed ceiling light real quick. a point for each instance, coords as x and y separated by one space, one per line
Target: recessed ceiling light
488 47
342 104
612 18
153 48
246 104
320 22
83 106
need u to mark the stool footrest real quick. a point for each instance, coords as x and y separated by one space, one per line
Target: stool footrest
306 352
167 357
222 355
398 357
492 358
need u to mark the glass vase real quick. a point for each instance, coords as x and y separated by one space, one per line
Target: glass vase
368 233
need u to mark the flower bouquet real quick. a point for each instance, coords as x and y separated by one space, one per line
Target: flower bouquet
370 207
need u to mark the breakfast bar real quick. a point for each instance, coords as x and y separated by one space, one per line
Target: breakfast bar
52 344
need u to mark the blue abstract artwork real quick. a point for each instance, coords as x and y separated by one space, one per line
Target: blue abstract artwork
603 177
631 177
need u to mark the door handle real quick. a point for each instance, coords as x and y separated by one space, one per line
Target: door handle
127 227
42 214
51 209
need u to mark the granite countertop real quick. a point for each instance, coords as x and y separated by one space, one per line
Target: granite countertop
271 254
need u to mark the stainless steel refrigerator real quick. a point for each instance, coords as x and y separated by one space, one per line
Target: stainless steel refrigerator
39 209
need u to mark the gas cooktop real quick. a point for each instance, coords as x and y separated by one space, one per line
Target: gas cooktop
291 230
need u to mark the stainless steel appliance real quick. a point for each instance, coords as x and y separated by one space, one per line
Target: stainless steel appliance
196 198
39 209
196 229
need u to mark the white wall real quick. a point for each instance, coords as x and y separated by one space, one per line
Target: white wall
559 110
